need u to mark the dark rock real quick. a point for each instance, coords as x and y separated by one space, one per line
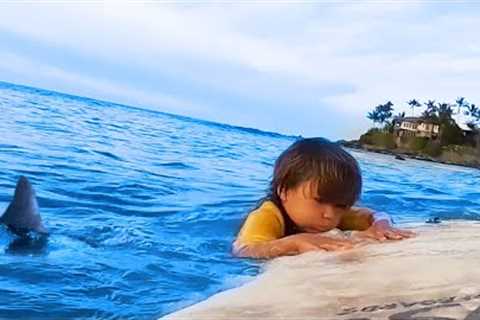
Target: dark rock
434 220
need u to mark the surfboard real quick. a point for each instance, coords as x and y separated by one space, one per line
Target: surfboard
434 276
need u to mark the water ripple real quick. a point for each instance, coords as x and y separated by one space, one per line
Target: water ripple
143 206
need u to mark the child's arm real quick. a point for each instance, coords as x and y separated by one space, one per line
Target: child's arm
376 225
267 249
262 236
290 245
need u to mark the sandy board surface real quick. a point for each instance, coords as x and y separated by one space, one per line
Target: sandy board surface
433 276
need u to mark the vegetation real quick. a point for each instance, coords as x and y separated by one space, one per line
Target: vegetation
451 139
433 149
378 137
382 113
418 143
414 104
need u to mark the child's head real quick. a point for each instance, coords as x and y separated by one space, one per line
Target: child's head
316 180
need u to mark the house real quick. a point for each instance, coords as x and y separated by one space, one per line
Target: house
466 130
416 127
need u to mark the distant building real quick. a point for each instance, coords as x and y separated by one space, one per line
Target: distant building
466 130
416 127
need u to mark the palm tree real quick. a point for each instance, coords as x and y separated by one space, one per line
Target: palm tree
473 111
461 103
382 113
398 118
413 104
389 105
431 111
472 125
445 112
374 116
385 113
430 104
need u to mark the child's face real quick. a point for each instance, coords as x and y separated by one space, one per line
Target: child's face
308 213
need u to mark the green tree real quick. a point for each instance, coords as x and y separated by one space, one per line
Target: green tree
382 113
386 111
399 116
451 134
473 112
374 116
461 103
431 110
445 112
414 104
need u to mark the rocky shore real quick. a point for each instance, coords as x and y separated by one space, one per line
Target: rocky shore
450 156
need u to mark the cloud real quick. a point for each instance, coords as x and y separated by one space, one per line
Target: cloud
289 67
115 92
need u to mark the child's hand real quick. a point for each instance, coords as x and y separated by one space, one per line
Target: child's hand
305 242
382 230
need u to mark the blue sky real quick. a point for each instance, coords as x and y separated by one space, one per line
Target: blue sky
309 67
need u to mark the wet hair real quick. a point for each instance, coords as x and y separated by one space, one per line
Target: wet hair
334 174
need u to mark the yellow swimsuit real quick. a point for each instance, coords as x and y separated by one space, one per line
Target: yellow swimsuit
267 223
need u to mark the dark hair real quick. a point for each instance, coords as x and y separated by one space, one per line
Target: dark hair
335 174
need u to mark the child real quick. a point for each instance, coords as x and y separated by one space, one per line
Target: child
314 186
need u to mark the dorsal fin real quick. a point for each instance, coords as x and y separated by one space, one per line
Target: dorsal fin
22 214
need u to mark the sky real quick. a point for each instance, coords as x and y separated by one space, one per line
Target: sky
311 68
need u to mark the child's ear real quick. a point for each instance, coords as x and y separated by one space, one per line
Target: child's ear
282 194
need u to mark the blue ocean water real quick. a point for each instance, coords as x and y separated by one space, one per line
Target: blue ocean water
142 206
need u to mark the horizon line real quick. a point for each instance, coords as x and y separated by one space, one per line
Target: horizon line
183 117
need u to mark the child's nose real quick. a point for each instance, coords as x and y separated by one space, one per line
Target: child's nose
329 212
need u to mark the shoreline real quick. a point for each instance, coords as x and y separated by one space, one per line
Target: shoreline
403 155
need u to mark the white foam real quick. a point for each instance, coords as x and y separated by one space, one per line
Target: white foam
435 274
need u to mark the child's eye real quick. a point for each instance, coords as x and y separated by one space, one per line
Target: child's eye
341 206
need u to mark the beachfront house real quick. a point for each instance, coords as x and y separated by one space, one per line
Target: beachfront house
466 130
416 127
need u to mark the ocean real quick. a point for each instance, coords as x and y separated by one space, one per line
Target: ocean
142 206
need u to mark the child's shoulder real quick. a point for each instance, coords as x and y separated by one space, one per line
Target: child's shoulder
264 223
267 206
267 210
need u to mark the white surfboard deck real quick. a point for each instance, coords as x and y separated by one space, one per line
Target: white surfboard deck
433 276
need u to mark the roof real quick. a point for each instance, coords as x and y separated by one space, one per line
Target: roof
417 120
464 126
461 120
